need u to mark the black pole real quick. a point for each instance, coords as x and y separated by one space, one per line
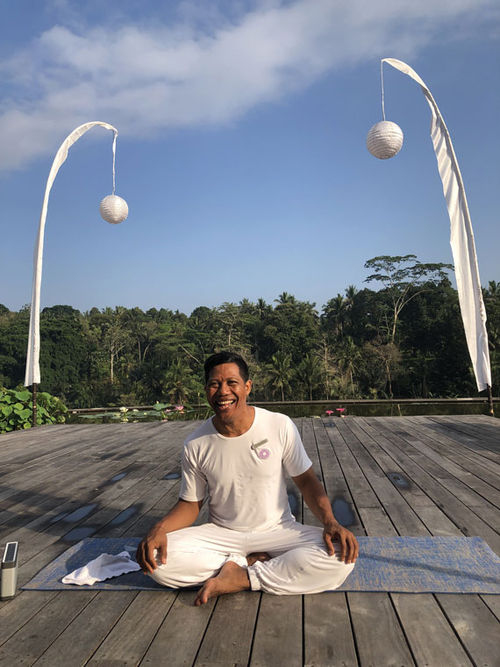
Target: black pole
33 393
490 401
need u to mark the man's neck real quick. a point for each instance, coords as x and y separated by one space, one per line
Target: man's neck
232 429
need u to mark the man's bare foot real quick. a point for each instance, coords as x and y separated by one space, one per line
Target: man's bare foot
261 556
231 579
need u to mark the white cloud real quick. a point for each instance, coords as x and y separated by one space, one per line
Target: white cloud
144 79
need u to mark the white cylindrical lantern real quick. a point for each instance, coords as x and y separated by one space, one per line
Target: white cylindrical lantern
113 209
384 140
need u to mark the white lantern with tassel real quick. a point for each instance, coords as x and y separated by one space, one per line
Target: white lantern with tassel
113 209
384 140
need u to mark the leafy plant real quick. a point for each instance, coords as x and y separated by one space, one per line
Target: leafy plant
16 409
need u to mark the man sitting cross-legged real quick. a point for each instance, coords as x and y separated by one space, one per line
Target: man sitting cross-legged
238 458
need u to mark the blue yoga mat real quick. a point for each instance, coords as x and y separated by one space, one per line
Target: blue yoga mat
390 564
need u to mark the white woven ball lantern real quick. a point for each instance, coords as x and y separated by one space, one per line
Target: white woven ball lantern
384 140
113 209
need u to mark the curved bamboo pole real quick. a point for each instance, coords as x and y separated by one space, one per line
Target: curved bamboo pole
32 375
461 239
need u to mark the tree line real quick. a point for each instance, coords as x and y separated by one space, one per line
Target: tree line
404 340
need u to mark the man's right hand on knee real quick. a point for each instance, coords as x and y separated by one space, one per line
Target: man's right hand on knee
155 540
183 514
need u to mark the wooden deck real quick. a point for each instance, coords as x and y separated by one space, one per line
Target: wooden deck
385 475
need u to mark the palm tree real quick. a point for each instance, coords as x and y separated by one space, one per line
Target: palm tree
281 372
285 299
309 373
262 308
179 382
347 357
335 315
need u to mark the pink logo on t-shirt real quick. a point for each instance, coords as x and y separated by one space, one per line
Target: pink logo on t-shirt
263 453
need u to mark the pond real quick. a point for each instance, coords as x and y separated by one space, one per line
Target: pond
332 409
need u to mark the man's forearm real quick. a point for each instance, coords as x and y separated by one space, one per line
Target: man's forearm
319 504
315 497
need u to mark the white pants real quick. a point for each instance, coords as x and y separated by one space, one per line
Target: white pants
299 561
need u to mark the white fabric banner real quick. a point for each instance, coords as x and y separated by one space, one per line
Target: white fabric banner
32 375
461 239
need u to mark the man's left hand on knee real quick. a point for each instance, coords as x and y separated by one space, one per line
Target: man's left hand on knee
349 548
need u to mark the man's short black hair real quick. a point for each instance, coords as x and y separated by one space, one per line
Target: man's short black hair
226 358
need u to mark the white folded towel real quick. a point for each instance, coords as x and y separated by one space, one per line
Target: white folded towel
103 567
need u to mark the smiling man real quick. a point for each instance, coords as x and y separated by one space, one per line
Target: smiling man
238 460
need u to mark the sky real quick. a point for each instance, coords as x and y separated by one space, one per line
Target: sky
242 145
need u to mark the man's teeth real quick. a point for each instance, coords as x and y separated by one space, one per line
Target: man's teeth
224 402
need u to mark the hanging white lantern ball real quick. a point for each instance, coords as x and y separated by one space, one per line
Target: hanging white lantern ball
113 209
385 139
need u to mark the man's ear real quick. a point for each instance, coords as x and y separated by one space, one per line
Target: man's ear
249 385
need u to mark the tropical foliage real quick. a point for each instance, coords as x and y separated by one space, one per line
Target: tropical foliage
404 340
16 409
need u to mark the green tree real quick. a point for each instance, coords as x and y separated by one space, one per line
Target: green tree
334 316
309 374
403 277
181 386
280 373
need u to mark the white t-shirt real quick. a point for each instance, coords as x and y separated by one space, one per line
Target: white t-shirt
244 476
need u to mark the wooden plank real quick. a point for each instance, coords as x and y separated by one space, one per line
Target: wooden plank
447 480
419 612
73 462
464 484
108 608
472 440
402 515
475 624
24 505
76 644
479 428
362 482
354 459
335 482
316 640
33 638
151 512
328 638
312 451
42 531
169 645
371 648
365 448
468 522
447 451
130 638
437 523
376 521
379 637
493 603
19 611
355 476
431 638
278 634
483 468
229 635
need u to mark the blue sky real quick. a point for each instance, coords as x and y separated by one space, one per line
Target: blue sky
241 148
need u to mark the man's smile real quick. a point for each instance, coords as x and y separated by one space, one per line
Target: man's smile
224 403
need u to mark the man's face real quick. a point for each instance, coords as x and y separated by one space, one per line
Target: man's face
227 391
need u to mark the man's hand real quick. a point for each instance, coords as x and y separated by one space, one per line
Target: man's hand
155 539
182 515
349 548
